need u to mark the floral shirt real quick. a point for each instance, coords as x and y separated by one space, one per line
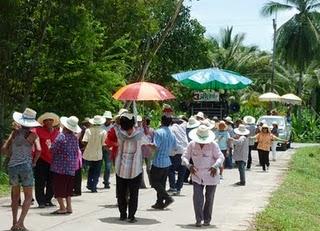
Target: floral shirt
65 150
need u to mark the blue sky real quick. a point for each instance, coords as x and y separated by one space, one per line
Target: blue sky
243 15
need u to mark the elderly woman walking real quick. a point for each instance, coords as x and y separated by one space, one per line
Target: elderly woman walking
207 159
65 150
128 166
264 140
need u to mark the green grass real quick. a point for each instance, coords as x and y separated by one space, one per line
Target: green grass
4 185
296 204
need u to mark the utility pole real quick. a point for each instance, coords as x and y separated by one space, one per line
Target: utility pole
273 51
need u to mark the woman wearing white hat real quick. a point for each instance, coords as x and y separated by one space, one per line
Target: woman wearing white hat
250 123
207 159
94 139
65 150
241 150
264 140
19 149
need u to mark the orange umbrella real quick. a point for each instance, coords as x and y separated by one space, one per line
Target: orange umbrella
142 91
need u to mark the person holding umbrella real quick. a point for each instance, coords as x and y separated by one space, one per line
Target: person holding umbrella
207 159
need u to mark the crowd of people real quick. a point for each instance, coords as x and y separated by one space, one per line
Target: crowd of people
49 154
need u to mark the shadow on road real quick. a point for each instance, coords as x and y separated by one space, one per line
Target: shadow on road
193 226
109 206
140 221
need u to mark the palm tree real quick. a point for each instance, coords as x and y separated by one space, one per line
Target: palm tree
297 40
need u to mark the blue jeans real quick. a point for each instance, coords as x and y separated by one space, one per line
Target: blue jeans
107 167
242 169
93 174
176 166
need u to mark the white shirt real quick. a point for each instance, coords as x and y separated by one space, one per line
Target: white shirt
95 138
179 131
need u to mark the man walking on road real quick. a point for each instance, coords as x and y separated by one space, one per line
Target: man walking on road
165 143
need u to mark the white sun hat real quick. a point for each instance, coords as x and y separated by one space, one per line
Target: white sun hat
71 123
107 115
49 115
202 135
228 119
200 115
249 120
27 118
241 130
193 123
139 118
97 120
210 124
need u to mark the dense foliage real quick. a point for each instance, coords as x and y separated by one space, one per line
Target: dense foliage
71 56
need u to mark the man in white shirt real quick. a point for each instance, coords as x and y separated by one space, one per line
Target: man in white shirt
178 129
94 140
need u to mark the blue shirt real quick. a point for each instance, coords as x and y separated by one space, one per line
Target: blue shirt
222 139
165 142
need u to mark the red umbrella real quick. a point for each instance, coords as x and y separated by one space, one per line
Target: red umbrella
142 91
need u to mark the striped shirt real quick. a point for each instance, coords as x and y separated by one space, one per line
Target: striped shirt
165 143
128 163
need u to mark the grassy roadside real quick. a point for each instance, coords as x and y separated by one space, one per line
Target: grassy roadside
295 205
4 185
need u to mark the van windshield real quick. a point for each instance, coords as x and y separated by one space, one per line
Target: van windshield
269 120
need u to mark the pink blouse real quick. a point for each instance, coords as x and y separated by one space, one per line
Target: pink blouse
203 159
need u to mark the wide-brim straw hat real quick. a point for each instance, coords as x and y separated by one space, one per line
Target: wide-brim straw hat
228 119
107 115
71 123
27 118
241 130
97 120
249 120
121 111
200 115
209 123
49 115
202 135
193 123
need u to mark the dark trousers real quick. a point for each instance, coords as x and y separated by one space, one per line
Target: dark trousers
176 166
249 157
43 182
77 182
158 182
93 174
131 186
107 168
241 167
203 205
264 158
228 159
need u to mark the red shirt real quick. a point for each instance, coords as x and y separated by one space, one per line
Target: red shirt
112 143
46 139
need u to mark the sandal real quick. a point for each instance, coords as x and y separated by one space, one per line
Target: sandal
58 212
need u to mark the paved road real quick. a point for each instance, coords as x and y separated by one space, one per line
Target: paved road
234 208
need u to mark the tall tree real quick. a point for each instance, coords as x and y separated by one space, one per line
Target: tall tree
298 39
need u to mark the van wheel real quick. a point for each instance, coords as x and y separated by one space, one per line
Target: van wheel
284 147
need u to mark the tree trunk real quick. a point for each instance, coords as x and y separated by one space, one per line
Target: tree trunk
169 27
300 84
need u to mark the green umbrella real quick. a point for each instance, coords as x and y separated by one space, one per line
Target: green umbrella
212 78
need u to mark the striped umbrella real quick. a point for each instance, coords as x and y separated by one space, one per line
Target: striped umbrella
143 91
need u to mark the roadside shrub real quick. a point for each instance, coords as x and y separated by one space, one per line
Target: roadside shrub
306 126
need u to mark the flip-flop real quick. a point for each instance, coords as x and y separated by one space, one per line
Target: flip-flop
57 212
69 212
